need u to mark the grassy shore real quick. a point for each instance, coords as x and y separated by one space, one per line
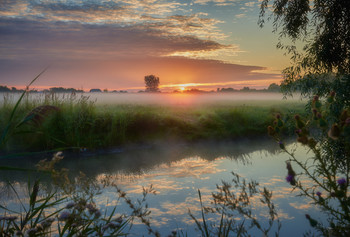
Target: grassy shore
81 123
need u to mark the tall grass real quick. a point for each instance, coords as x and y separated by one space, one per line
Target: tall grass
80 123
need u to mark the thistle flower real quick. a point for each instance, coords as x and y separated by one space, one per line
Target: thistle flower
70 205
299 122
347 121
316 103
281 144
341 182
64 216
47 223
97 213
344 115
119 220
334 132
111 225
303 140
291 174
312 221
289 178
318 194
31 232
312 143
330 98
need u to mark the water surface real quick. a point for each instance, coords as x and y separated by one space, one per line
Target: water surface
178 171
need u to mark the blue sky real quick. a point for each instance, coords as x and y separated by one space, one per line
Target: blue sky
114 44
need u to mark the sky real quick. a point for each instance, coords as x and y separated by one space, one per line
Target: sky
113 44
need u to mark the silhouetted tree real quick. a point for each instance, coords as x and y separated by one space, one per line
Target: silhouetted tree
4 89
64 90
274 87
152 83
95 90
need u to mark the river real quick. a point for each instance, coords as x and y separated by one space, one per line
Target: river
177 172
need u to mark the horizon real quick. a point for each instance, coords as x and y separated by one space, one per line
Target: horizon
203 44
180 89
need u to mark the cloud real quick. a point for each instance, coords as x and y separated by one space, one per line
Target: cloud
240 15
117 42
215 2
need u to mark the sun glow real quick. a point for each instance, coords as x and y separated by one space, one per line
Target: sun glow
182 88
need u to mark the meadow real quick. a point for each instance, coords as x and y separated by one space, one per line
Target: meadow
102 120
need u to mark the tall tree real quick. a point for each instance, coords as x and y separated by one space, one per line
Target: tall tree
152 83
323 26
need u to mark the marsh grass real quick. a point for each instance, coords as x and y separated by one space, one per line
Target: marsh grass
80 123
65 208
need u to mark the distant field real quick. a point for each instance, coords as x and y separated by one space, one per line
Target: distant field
102 120
173 99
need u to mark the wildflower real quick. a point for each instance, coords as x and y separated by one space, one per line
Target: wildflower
91 208
347 121
47 223
39 227
312 143
344 115
289 178
341 182
64 216
31 232
279 122
70 205
334 132
330 98
320 198
111 225
291 174
271 131
300 123
303 140
119 220
316 103
281 144
312 221
97 213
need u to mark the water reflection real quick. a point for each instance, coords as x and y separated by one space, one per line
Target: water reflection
139 159
177 171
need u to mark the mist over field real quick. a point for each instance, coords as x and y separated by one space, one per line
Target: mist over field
172 99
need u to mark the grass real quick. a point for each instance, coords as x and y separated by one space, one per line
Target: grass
81 123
